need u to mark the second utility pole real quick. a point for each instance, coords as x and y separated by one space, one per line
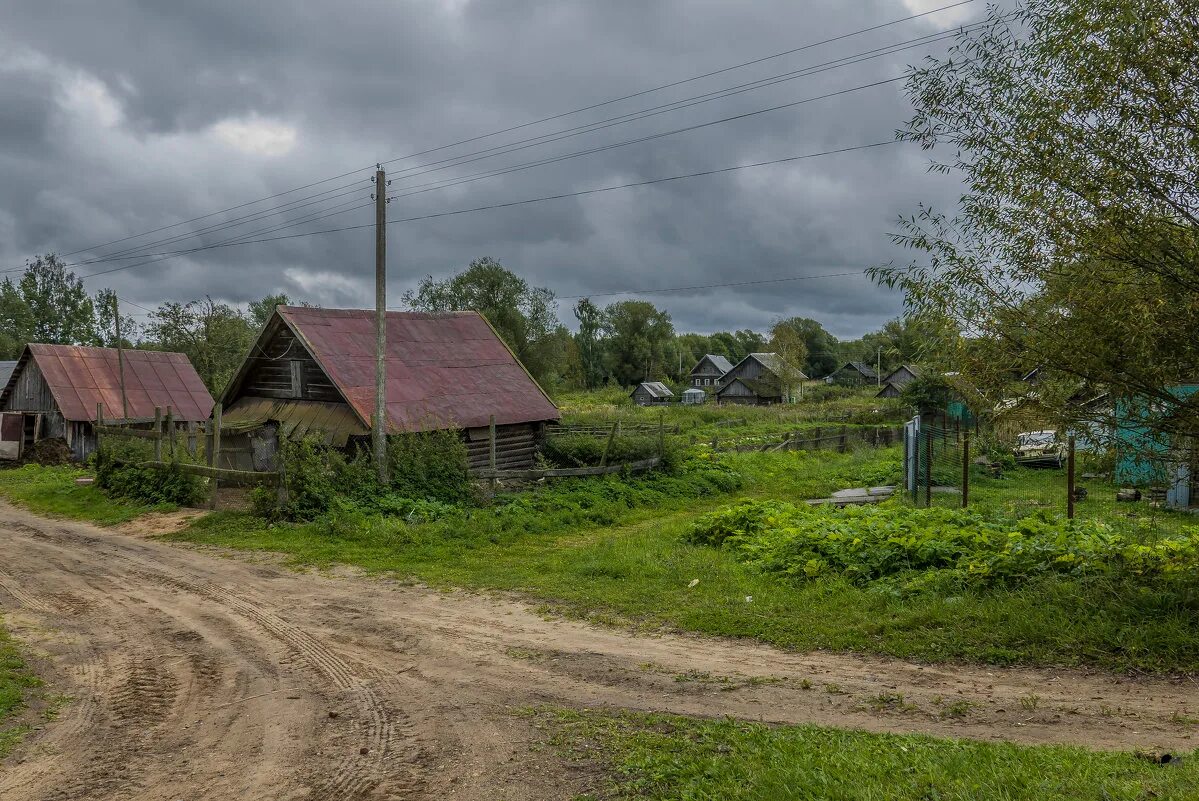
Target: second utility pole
379 430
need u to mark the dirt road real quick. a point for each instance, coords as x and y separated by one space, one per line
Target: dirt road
195 675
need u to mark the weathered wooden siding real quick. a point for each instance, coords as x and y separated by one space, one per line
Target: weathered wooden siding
749 368
515 446
31 392
283 368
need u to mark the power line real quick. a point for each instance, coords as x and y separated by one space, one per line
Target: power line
579 130
509 204
516 168
687 80
551 118
677 105
639 140
234 223
709 286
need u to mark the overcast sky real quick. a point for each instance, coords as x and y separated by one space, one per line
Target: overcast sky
121 117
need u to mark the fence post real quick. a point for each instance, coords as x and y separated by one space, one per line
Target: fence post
491 450
170 424
158 433
928 471
99 422
215 458
844 445
966 469
1070 479
661 434
281 490
817 442
191 438
611 438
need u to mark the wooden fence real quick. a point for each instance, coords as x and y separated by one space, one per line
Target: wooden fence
841 439
165 433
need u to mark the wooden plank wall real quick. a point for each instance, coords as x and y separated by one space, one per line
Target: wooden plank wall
515 446
283 368
31 393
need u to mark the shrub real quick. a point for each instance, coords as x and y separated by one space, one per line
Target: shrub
120 475
584 450
430 465
915 549
425 470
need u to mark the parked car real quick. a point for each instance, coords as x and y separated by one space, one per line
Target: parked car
1039 448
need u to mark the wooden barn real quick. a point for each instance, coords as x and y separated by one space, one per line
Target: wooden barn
853 374
648 393
312 371
53 391
897 379
759 380
706 374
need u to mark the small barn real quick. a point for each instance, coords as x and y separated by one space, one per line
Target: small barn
53 391
853 374
694 396
707 373
648 393
759 380
894 382
312 371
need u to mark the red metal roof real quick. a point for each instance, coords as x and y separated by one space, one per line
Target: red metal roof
80 377
443 370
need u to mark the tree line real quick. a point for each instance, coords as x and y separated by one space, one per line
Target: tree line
621 343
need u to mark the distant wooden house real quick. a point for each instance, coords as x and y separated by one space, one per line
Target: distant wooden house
312 371
894 382
760 379
853 374
648 393
706 374
53 391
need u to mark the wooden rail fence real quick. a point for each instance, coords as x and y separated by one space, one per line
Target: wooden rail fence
164 433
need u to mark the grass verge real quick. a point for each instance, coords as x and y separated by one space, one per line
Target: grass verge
15 684
52 491
654 758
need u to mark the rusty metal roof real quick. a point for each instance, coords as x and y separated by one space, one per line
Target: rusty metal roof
443 370
80 377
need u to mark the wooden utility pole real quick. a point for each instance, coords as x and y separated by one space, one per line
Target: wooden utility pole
116 316
379 431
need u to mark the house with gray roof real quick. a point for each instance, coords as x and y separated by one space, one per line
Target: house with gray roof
760 379
648 393
708 372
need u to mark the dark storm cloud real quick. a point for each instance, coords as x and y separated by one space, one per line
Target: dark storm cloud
124 116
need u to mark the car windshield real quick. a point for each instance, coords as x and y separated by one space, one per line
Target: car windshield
1037 438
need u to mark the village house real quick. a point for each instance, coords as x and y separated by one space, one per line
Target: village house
53 393
894 382
853 374
312 371
706 374
760 379
648 393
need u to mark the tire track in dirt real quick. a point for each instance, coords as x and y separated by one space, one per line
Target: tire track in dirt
389 692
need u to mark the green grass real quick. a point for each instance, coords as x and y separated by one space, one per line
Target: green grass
636 570
52 491
655 758
836 406
1026 490
15 684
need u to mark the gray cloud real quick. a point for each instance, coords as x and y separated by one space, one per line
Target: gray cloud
124 116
